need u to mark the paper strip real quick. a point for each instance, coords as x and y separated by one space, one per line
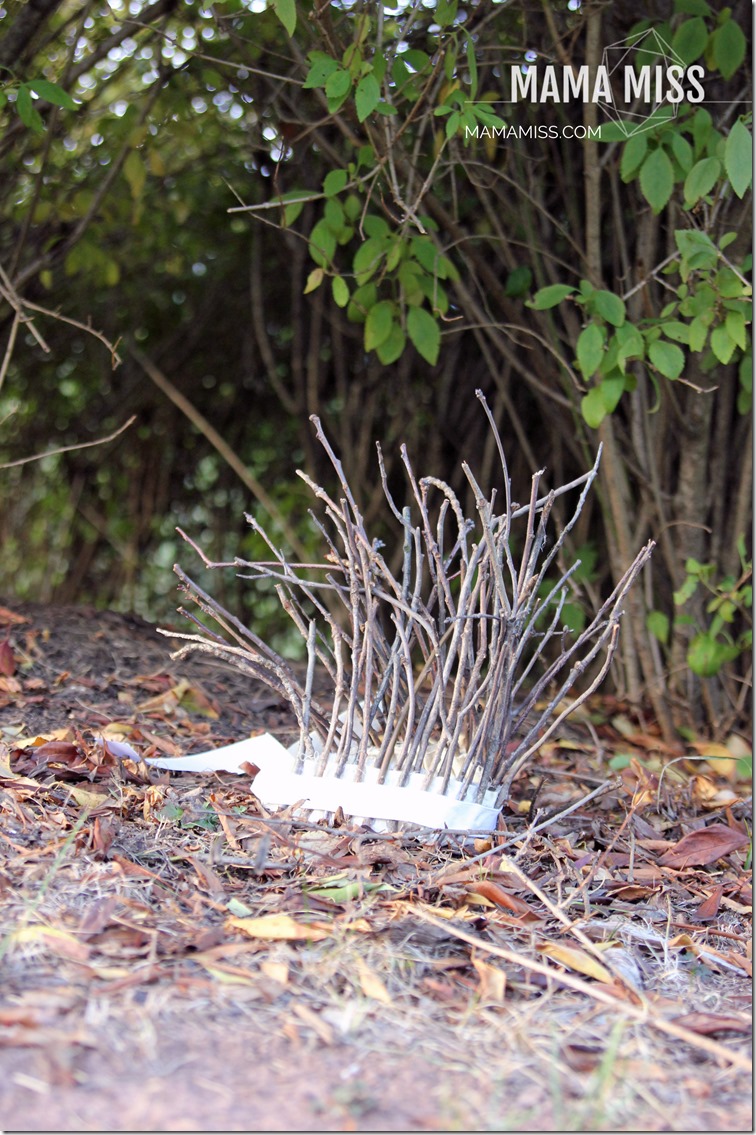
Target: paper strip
277 785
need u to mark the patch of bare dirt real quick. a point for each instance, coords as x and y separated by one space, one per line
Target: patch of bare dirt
172 959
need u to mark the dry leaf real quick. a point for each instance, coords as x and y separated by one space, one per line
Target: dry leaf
86 797
708 795
708 1023
275 971
7 659
493 982
371 984
697 849
576 959
499 897
320 1027
709 908
58 942
279 927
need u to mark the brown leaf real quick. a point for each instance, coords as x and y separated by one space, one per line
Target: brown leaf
7 616
7 659
371 984
499 897
696 849
493 982
708 1023
709 908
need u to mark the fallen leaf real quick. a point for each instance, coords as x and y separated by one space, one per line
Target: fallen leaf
316 1023
499 897
493 982
708 1023
275 971
278 927
7 616
86 797
58 942
575 959
371 984
708 795
707 845
7 659
709 908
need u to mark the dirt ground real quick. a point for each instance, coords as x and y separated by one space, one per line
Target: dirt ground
172 959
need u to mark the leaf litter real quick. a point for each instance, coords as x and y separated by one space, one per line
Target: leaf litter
120 882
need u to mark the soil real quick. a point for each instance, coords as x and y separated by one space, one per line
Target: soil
130 1000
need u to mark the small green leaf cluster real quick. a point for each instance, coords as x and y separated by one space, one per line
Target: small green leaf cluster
395 287
43 89
714 646
713 306
354 75
604 347
691 153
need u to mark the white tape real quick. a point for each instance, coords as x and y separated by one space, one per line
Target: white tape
277 785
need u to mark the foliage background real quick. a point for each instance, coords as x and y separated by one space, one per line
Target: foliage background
116 202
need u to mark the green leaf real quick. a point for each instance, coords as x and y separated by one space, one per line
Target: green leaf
286 10
693 7
335 181
135 173
452 124
393 346
322 66
375 226
367 96
592 407
366 260
679 332
52 93
425 333
612 390
292 211
338 84
683 152
721 344
698 332
631 344
550 296
610 307
633 153
340 291
314 280
658 623
27 111
322 244
446 12
738 158
518 281
668 359
333 215
701 180
657 179
378 324
735 322
590 349
361 302
728 48
707 656
690 40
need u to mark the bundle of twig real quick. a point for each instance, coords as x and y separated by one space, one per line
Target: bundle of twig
449 677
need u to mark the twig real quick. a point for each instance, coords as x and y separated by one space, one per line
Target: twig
70 448
644 1014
